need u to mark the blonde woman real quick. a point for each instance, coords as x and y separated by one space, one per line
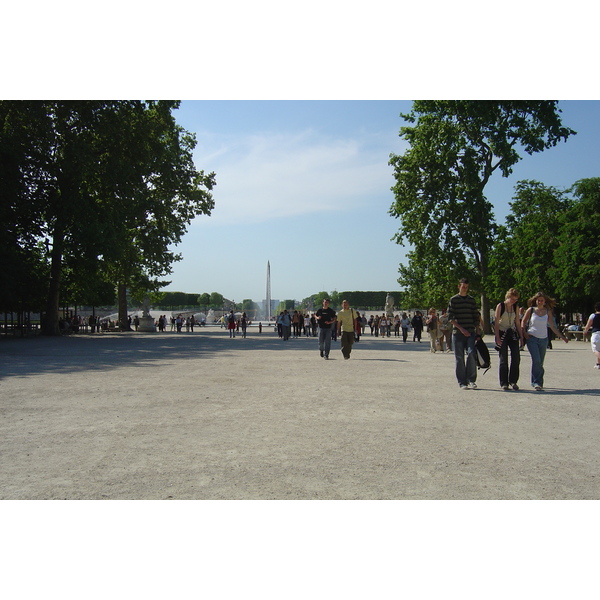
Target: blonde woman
538 317
509 336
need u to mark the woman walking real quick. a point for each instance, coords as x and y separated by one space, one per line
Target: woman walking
594 324
536 321
244 324
383 324
231 324
445 331
507 329
432 329
358 327
405 324
417 325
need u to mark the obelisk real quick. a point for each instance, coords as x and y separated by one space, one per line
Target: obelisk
268 307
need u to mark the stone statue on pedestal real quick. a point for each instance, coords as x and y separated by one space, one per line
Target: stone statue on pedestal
146 320
146 306
389 305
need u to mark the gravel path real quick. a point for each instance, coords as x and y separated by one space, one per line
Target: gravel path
202 416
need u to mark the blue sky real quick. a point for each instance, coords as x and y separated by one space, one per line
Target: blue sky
306 186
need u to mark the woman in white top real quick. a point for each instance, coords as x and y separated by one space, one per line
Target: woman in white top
536 321
593 323
507 328
383 325
405 324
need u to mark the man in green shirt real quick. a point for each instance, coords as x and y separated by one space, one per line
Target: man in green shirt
346 324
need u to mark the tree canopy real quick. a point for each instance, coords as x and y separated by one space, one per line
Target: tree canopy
97 193
577 257
454 149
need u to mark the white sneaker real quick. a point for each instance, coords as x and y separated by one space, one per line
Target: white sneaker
596 366
472 386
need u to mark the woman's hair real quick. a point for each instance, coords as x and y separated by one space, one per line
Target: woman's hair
432 310
511 292
597 307
550 302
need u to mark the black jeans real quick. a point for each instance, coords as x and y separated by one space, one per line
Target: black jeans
509 374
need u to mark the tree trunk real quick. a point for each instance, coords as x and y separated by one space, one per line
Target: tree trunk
50 325
122 300
485 302
485 313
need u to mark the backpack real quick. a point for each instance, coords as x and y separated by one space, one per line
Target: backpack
231 318
482 355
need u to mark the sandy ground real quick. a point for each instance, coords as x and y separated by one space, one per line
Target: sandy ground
202 416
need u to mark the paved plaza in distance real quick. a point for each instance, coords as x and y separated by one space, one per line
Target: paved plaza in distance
201 416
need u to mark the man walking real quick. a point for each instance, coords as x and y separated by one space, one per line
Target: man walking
464 316
325 318
346 319
286 321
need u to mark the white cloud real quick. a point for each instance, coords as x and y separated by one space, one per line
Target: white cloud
265 176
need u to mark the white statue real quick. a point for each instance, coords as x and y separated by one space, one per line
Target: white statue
389 305
146 307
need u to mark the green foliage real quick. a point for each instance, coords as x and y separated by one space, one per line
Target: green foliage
370 300
110 185
455 147
577 256
288 305
216 301
431 283
523 255
249 307
550 244
315 301
178 300
204 300
357 299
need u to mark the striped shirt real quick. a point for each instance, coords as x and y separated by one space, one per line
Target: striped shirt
463 310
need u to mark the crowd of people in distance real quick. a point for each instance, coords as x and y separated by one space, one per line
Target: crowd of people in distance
178 323
456 329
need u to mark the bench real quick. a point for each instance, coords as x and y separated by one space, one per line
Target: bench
576 335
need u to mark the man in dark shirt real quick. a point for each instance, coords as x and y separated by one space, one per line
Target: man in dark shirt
325 318
464 316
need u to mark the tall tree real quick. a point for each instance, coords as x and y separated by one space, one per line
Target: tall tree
455 148
25 142
154 191
577 257
429 283
110 186
523 254
249 307
217 300
204 300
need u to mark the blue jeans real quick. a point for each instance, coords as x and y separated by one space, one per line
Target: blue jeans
465 373
325 340
537 350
